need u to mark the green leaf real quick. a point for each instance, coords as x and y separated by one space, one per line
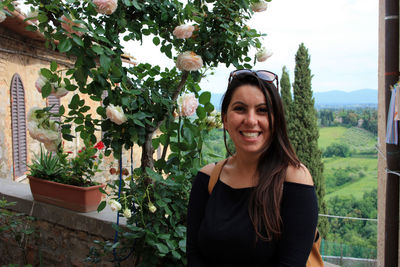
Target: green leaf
163 249
201 113
182 245
98 49
78 40
61 110
46 73
31 28
46 90
209 107
176 255
205 98
156 40
42 17
136 4
65 45
105 62
101 206
74 104
53 66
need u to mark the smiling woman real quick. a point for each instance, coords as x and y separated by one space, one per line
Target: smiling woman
263 208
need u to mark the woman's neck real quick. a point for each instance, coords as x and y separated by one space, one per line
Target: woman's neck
244 163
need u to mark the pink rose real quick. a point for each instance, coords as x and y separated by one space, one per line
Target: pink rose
187 105
106 7
183 31
189 61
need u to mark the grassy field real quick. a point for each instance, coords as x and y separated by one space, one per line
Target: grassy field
364 160
367 165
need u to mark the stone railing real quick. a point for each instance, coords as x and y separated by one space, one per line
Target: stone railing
61 238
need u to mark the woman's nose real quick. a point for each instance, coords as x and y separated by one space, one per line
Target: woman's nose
251 118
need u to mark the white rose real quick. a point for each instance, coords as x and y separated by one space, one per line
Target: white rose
114 205
106 7
127 213
3 16
116 114
259 6
263 54
183 31
189 61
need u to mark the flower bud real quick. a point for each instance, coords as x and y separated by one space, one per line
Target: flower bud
152 208
127 213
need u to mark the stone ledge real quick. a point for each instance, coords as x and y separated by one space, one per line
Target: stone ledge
96 223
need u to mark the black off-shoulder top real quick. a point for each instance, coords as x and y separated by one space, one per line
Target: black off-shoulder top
220 232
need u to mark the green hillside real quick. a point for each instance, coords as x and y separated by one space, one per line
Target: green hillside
353 175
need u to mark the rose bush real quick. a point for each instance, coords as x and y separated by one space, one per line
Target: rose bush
157 192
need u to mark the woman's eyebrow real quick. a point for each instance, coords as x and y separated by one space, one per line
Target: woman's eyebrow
242 103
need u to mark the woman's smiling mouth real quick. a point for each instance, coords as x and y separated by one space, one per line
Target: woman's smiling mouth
250 134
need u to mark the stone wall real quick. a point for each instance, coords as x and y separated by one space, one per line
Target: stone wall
26 57
61 238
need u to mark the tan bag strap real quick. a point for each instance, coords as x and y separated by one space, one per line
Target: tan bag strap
215 174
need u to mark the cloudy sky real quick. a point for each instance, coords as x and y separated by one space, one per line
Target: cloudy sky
341 37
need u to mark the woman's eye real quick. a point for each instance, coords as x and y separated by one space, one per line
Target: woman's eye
238 108
263 110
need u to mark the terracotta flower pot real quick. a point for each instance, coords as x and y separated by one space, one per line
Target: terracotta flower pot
82 199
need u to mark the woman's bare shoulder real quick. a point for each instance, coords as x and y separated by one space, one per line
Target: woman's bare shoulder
208 168
299 175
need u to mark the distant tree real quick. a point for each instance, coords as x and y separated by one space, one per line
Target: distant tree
338 150
326 117
286 94
304 134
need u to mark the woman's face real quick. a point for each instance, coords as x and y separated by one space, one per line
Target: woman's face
246 119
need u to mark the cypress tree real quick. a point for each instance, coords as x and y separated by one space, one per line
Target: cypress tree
286 94
304 130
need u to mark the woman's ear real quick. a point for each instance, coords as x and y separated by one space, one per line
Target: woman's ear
223 119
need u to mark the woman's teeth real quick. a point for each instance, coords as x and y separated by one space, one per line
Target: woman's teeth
252 134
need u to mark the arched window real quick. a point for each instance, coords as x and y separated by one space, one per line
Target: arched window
18 126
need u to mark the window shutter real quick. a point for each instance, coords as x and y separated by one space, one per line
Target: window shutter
52 100
18 126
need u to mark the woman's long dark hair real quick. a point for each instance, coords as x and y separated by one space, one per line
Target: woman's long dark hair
265 200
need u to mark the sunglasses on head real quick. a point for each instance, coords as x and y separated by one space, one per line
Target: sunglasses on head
264 75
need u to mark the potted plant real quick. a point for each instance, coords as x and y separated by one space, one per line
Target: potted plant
65 180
